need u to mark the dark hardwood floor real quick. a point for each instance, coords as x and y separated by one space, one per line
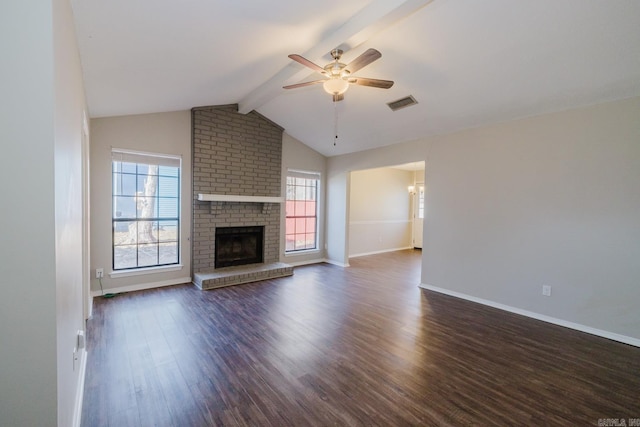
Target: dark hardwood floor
356 346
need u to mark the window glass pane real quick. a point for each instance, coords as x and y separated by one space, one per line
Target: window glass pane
124 184
167 186
289 208
300 208
168 253
147 255
167 208
147 231
310 208
151 181
124 257
168 171
310 240
290 243
290 225
168 231
128 167
147 207
124 207
310 225
140 180
300 241
144 169
125 232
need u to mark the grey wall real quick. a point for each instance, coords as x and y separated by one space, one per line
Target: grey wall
552 200
41 308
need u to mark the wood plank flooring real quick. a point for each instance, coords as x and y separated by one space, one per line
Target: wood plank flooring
332 346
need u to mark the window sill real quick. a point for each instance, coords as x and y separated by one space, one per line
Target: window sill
143 271
300 253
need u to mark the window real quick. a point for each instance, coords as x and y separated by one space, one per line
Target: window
421 201
146 210
302 211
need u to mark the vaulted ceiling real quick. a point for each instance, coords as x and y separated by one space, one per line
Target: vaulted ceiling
467 62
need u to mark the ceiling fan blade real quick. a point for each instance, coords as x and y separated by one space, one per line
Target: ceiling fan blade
303 84
307 63
363 81
363 60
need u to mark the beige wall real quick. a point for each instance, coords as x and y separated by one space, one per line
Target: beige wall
165 133
548 200
297 156
379 211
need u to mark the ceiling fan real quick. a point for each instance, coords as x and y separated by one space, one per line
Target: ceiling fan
338 76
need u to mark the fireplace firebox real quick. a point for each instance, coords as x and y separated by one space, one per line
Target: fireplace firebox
239 246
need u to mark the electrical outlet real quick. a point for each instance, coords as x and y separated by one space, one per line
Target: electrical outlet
546 290
99 273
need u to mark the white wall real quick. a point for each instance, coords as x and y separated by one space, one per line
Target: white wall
165 133
41 112
552 200
297 156
69 120
379 211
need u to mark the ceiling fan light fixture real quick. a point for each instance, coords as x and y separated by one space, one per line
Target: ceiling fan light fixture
335 86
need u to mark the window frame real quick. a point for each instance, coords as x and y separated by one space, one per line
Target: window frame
146 158
307 175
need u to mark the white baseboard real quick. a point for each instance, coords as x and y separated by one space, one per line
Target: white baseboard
77 410
307 262
571 325
143 286
380 252
332 262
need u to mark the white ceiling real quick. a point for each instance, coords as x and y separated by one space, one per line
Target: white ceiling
467 62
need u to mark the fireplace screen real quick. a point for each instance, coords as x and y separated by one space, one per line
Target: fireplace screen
239 246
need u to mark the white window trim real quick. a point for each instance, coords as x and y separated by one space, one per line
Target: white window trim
141 271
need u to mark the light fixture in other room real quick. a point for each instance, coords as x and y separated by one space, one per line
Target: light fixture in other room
411 189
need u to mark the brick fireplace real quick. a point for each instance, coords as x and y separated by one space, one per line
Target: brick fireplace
235 155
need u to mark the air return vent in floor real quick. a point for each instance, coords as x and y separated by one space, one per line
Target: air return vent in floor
407 101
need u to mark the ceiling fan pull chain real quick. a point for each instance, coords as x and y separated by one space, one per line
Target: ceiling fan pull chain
335 123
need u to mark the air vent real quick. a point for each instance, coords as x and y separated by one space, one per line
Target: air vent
407 101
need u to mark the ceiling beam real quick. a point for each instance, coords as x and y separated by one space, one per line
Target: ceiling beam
361 27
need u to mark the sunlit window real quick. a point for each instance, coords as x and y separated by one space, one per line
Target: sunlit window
301 211
146 210
421 201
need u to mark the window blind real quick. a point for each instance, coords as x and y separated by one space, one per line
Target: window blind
145 158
